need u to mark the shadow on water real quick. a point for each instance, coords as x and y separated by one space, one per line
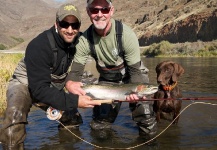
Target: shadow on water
197 127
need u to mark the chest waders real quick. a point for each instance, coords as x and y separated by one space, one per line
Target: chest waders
72 118
105 115
19 102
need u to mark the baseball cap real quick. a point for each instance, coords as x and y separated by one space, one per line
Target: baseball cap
66 10
91 1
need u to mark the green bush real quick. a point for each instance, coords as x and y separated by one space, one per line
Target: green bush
165 47
151 51
202 53
197 49
214 53
2 47
162 48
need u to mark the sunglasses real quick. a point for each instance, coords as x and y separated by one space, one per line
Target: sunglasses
64 24
104 10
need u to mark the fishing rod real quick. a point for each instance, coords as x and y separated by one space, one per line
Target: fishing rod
110 101
54 114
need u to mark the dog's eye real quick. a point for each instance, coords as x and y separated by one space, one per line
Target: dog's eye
167 70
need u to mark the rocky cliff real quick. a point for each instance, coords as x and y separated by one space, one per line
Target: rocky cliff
200 26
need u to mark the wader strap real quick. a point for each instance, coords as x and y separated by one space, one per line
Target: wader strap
118 29
53 47
91 42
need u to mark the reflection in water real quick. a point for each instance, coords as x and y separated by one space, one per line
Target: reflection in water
197 127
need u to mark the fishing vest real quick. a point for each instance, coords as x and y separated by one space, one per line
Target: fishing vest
114 72
20 72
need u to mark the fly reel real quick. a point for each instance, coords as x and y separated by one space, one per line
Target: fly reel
54 114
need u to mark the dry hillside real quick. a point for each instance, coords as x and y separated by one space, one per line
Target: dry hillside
152 20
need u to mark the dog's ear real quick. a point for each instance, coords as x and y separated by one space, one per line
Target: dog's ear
158 67
178 71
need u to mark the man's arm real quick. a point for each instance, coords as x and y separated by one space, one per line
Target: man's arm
73 84
76 72
38 59
132 55
132 58
135 73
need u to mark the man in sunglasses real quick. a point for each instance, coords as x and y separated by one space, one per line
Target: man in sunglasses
100 41
40 77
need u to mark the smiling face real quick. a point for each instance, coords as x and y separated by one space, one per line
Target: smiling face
68 28
100 13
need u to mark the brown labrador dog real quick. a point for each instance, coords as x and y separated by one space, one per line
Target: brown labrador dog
168 73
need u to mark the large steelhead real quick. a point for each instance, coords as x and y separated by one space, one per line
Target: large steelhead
118 91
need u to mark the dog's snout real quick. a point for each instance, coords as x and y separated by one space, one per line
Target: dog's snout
159 82
159 79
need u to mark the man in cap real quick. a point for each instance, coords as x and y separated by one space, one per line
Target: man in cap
40 77
117 60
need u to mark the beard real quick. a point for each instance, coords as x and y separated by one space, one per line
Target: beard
100 24
68 38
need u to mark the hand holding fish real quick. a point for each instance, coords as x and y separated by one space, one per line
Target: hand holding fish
87 102
75 87
133 97
121 92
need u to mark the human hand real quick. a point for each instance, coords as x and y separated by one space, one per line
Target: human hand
133 97
87 102
75 87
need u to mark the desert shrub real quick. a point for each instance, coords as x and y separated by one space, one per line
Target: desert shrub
208 50
165 47
151 51
2 47
213 53
212 47
197 49
187 49
155 49
202 53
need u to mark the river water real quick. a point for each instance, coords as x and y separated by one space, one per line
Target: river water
197 127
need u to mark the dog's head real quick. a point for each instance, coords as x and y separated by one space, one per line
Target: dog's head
168 72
